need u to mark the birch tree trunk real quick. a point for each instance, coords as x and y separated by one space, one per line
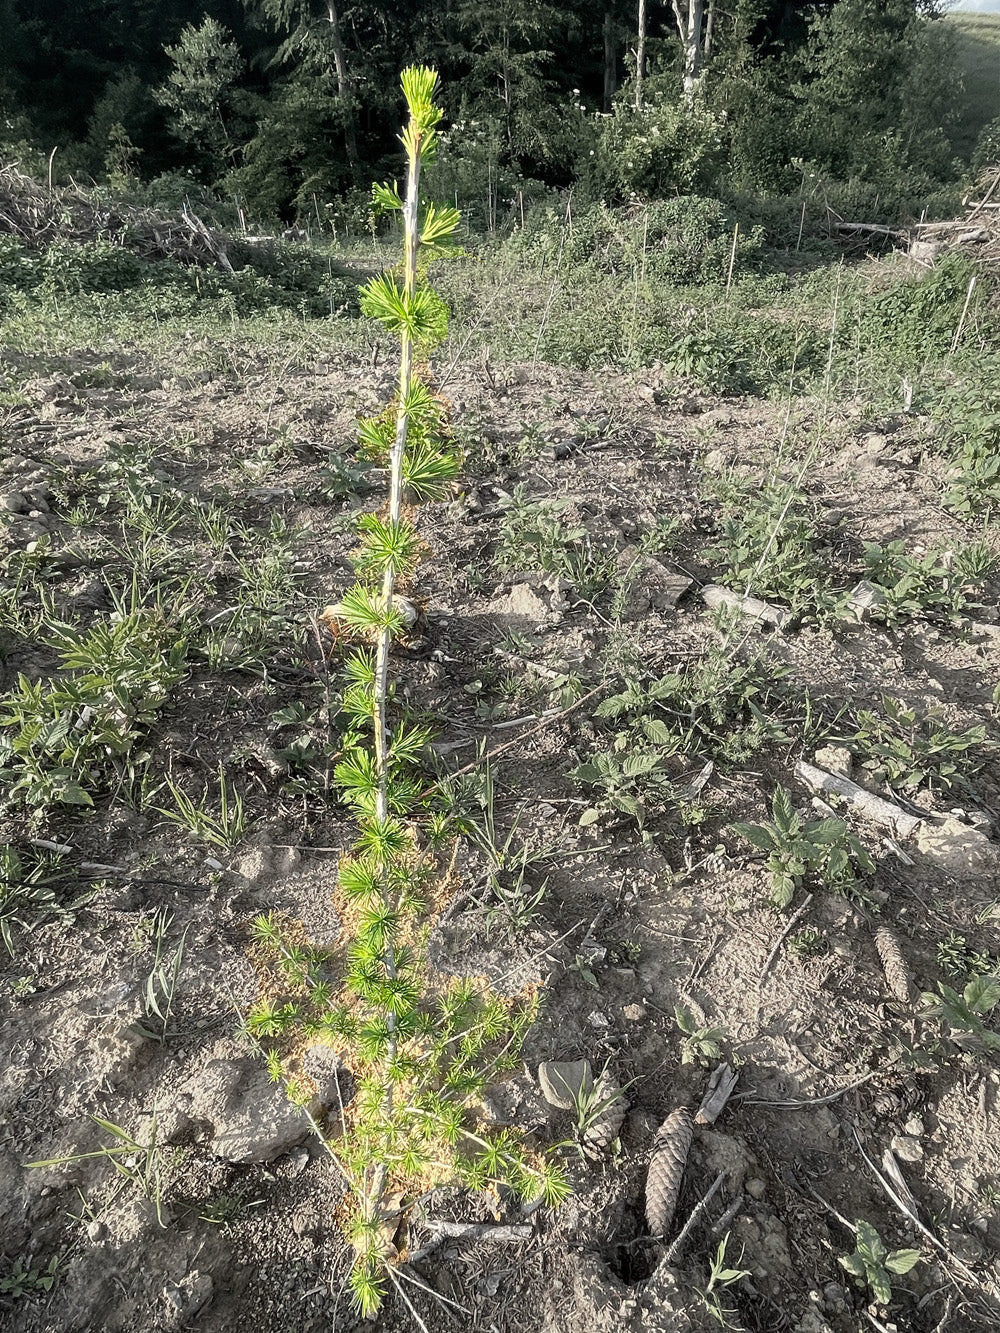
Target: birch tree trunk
345 90
640 56
692 48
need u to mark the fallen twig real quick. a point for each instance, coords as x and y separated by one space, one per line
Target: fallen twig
696 1212
793 921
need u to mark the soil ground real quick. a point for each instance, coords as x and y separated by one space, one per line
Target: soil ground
832 1069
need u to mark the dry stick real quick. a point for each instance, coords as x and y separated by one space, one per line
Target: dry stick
800 1103
696 1212
445 1300
478 1230
793 921
406 1300
428 791
732 260
965 310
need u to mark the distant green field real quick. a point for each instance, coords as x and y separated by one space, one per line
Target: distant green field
978 37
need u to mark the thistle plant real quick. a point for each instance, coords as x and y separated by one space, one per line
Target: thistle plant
418 1048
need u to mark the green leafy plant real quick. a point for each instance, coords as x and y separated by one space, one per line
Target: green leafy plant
26 1280
81 731
958 960
26 894
962 1016
907 750
769 543
535 536
934 585
700 1043
873 1265
800 849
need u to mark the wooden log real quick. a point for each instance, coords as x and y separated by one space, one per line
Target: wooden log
873 807
715 596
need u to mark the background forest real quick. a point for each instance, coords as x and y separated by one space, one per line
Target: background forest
289 106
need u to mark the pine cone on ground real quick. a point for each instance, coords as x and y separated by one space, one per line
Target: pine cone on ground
611 1105
666 1169
897 974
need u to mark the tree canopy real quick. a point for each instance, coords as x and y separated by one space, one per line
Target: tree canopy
288 101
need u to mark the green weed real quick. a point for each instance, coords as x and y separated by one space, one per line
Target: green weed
873 1265
907 749
798 850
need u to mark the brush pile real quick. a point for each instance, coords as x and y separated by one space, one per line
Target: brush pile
977 233
37 216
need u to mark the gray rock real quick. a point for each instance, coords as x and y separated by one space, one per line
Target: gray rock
907 1148
522 605
834 759
646 583
956 848
187 1298
563 1082
16 502
248 1118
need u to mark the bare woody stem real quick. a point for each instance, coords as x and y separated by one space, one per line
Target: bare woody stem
411 242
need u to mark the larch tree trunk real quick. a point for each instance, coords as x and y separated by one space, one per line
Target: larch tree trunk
610 59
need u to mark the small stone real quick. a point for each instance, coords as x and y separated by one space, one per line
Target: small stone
914 1126
297 1160
563 1082
715 461
965 1247
907 1148
16 502
865 598
874 443
187 1298
834 759
633 1013
598 1020
96 1231
756 1188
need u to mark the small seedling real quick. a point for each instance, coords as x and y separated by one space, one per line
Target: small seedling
873 1265
142 1165
226 829
161 983
806 943
719 1278
962 1015
700 1045
23 1280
